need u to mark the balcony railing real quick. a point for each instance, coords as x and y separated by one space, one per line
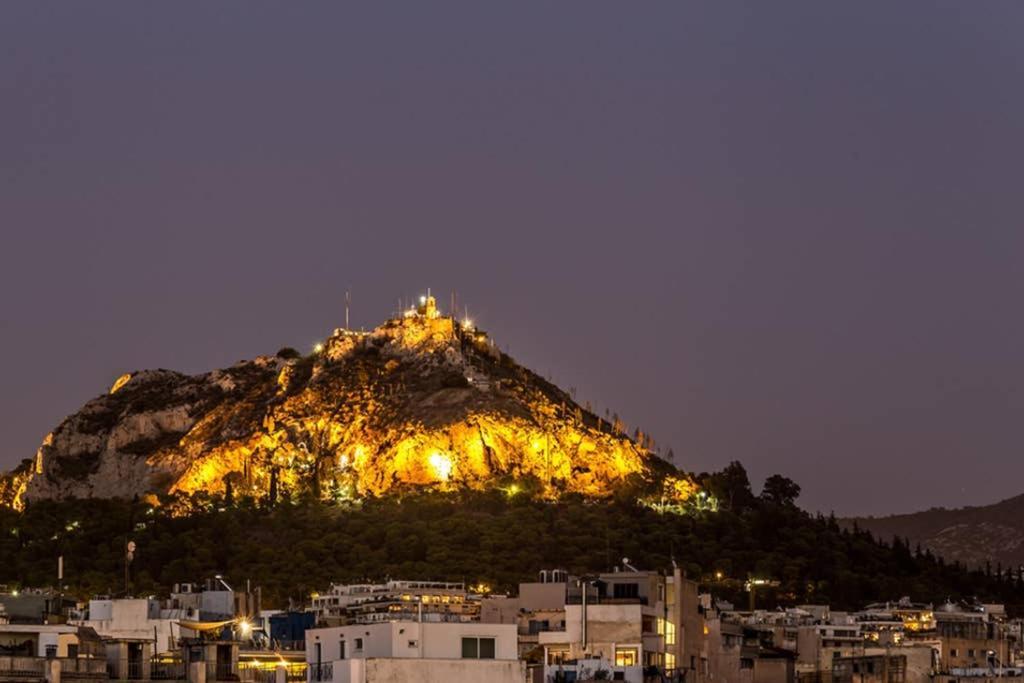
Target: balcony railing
82 668
22 667
318 673
591 601
36 667
225 672
173 670
261 673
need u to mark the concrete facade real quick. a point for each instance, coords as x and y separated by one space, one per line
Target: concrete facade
360 653
431 671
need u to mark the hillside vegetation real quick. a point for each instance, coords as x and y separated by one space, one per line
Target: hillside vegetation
491 536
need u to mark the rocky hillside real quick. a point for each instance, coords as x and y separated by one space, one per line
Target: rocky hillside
420 401
972 535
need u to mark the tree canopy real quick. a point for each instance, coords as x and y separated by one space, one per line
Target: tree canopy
299 546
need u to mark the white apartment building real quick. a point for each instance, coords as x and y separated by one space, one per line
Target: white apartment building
425 652
409 600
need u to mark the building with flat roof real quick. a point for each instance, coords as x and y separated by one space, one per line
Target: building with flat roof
624 623
427 652
395 600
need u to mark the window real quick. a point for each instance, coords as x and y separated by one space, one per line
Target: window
670 662
478 648
414 643
670 633
625 656
341 650
626 590
538 625
557 656
970 652
359 644
952 652
72 651
51 651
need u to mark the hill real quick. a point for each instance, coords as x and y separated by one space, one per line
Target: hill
975 536
421 401
417 449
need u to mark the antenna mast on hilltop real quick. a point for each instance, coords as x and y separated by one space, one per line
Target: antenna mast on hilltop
348 303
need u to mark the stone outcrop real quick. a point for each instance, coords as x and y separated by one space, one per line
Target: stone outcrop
419 401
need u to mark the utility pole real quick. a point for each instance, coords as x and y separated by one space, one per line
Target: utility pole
129 555
348 303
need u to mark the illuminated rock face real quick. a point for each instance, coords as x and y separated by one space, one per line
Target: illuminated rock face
419 401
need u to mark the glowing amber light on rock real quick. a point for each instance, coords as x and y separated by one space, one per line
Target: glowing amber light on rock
120 382
441 465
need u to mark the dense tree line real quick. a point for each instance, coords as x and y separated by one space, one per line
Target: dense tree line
299 546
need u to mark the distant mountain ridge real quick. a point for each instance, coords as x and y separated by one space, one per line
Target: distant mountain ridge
973 536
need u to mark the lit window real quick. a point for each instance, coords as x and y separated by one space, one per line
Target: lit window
670 633
625 656
670 661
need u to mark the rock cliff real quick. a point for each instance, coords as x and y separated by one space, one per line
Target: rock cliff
419 401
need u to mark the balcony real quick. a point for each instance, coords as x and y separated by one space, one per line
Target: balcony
578 600
82 668
35 668
22 667
318 673
169 670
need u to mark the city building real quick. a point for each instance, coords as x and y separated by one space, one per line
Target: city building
395 600
214 599
625 623
422 651
32 653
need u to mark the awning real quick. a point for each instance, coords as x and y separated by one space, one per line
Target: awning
205 626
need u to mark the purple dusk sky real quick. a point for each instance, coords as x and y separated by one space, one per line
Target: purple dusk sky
787 233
